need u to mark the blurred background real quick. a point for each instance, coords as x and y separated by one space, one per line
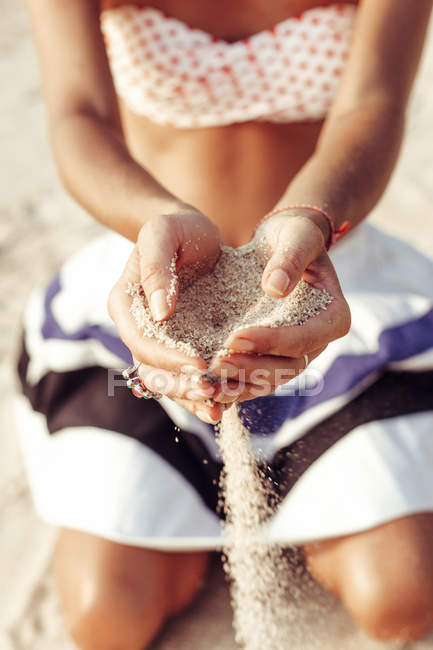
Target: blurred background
39 227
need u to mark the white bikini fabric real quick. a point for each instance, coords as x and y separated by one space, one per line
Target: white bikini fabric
184 77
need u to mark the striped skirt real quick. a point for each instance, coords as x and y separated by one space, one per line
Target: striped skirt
349 442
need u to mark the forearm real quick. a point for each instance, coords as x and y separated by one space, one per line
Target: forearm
98 171
353 162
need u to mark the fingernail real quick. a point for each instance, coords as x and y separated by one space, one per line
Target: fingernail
228 369
278 281
195 380
197 395
242 345
206 417
192 371
223 398
194 375
158 304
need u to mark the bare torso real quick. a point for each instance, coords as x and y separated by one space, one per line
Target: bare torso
235 173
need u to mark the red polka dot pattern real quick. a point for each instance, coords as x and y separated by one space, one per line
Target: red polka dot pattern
185 77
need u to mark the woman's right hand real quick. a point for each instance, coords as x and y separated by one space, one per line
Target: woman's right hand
190 238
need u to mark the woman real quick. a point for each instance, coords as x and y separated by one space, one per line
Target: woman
180 131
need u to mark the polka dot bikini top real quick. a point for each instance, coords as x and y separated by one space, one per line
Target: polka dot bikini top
184 77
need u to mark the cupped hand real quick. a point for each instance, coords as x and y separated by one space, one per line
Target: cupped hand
184 238
265 357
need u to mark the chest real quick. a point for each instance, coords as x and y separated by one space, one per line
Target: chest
228 20
178 71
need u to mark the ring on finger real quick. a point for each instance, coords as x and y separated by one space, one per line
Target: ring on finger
131 371
135 384
138 389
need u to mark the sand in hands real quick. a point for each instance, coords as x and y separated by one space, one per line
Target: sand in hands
209 308
230 297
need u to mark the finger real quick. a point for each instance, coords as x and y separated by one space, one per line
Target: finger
295 242
296 340
175 385
146 350
158 244
250 391
210 413
255 369
228 391
262 369
241 392
253 392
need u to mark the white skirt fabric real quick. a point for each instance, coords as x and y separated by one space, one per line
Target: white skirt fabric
350 442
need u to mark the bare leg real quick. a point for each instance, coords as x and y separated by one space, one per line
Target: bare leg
384 576
117 597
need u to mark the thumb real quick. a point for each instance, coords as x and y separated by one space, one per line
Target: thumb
157 247
295 243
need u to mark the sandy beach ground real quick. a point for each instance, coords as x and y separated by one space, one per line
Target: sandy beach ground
39 227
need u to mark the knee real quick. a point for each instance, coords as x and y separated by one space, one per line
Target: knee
390 611
114 618
118 598
121 613
384 576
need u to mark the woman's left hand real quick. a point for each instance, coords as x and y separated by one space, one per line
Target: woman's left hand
268 357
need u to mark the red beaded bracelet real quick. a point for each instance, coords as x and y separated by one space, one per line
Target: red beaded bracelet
335 234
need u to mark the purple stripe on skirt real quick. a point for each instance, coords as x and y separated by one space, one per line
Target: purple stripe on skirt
267 414
348 371
52 330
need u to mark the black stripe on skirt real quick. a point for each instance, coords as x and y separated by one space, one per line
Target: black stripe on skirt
79 398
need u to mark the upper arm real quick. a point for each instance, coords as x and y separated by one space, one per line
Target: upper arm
75 71
387 44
